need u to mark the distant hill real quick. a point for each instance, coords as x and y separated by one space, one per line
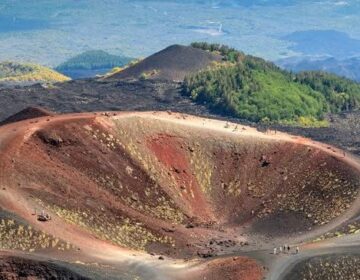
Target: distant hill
324 42
13 73
172 63
27 113
349 68
251 88
91 63
219 79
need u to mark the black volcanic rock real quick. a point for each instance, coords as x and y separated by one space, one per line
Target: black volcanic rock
27 113
172 64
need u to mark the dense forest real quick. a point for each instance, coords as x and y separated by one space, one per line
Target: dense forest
341 94
254 89
96 59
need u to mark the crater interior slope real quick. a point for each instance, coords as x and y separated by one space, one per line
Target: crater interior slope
183 187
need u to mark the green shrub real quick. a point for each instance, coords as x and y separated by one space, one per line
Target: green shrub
248 91
251 88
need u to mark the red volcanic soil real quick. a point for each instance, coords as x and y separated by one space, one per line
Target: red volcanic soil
171 152
165 184
27 113
233 268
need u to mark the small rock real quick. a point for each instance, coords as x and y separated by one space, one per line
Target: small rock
168 230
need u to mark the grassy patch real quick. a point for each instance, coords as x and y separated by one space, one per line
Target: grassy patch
18 236
121 231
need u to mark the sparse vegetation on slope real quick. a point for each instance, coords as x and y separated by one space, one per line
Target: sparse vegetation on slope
127 233
17 235
118 69
254 89
335 266
12 72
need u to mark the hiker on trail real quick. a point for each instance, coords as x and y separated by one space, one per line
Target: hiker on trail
275 251
297 250
284 248
288 248
280 249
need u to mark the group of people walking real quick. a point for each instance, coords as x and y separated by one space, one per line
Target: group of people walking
285 249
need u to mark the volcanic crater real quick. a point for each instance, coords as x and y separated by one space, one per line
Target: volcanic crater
167 184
